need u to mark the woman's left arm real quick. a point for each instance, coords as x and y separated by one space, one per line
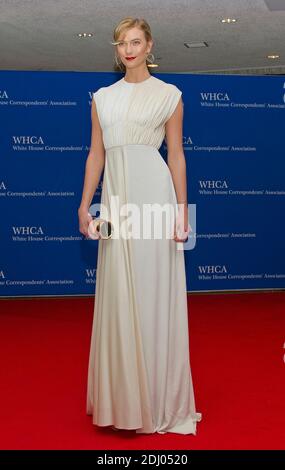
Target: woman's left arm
177 165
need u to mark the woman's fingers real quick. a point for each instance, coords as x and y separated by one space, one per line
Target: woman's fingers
84 222
180 235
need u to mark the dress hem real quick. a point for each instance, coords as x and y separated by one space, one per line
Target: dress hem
197 418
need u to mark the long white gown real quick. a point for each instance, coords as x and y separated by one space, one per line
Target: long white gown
139 374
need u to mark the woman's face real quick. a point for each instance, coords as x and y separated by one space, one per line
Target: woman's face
133 44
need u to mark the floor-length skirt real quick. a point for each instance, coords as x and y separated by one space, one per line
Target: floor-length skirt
139 374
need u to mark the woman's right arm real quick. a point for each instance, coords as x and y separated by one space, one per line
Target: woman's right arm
93 169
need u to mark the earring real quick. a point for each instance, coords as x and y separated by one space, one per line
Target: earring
150 59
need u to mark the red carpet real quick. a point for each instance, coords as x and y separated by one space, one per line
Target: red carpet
237 349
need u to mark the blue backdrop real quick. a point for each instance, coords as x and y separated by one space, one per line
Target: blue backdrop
234 147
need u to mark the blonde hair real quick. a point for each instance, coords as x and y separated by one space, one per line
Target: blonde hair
128 23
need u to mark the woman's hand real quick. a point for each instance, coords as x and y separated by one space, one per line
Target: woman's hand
182 227
84 220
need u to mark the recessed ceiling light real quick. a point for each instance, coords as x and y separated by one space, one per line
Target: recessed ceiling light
273 56
195 44
85 35
228 20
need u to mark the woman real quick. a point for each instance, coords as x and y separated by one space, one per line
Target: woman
139 373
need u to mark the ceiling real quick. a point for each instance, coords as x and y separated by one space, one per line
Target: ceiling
43 34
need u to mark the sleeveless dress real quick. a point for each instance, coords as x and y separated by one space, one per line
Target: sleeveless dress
139 374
